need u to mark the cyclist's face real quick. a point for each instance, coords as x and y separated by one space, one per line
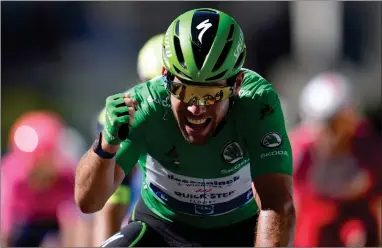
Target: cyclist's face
198 122
335 138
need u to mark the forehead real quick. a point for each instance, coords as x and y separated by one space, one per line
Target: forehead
217 83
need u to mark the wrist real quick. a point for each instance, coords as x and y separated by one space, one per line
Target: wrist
109 139
104 149
109 147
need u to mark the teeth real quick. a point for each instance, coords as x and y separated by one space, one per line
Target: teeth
193 121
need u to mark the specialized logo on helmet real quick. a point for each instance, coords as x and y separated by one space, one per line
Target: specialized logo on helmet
271 140
232 153
205 25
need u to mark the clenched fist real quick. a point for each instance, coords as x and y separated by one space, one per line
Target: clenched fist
120 111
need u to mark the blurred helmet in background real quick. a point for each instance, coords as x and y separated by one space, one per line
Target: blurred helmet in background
36 132
204 45
150 58
43 133
324 96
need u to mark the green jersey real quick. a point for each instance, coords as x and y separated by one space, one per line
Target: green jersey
208 185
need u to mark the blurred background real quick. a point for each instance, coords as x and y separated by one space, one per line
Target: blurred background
69 56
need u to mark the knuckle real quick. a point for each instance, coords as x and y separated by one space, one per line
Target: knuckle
131 110
112 98
128 102
108 100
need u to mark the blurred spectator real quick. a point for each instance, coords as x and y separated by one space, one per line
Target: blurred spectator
37 178
337 174
373 113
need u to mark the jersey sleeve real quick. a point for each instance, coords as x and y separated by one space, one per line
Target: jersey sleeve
265 133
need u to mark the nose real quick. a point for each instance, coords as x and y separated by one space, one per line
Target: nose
197 109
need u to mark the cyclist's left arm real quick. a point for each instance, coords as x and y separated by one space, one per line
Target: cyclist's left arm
271 166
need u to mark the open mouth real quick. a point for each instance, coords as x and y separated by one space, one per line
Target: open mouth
198 124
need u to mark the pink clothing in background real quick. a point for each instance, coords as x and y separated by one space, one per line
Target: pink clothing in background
20 203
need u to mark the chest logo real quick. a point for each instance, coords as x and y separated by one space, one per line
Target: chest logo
232 153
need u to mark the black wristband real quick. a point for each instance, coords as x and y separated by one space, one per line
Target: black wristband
97 148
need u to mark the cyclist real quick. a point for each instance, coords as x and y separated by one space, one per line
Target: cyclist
210 139
37 176
109 220
337 170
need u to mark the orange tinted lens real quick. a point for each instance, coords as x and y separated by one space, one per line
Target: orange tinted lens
200 95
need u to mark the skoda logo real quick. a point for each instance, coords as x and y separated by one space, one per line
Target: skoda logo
271 140
232 153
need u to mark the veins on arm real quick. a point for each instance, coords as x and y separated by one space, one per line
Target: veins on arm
273 194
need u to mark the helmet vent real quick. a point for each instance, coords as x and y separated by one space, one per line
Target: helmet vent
232 28
223 55
216 77
239 60
177 28
179 53
181 73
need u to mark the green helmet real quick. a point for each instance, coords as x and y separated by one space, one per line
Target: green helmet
204 45
150 58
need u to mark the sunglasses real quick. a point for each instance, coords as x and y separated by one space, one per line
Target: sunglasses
195 94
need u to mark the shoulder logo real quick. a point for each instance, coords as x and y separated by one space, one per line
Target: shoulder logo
232 153
205 25
271 140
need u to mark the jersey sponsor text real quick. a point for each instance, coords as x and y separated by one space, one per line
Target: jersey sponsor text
204 182
274 153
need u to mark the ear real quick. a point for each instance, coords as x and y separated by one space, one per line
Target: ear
164 71
239 82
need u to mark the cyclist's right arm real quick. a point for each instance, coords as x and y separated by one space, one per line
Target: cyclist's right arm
97 178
